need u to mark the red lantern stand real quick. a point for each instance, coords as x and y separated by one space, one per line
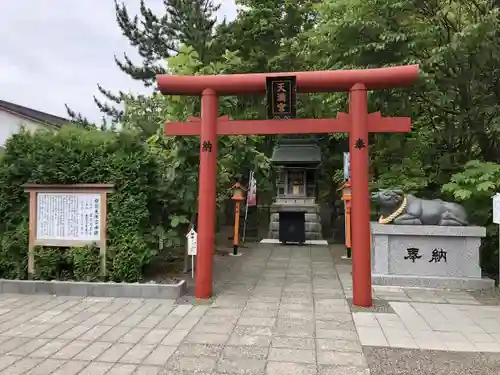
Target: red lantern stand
346 197
238 197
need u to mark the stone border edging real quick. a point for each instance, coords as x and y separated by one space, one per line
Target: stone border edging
97 289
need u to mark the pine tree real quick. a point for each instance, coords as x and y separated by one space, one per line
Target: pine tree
156 38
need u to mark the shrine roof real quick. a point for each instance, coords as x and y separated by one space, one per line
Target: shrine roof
296 154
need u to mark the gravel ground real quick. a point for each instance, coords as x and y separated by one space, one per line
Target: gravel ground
379 306
388 361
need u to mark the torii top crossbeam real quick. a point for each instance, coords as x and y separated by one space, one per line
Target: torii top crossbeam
307 82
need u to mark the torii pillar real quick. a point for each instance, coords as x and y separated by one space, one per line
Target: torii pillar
358 123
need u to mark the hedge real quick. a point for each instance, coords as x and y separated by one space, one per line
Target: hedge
72 156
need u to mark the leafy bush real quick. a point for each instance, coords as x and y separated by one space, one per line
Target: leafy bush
71 156
474 186
86 263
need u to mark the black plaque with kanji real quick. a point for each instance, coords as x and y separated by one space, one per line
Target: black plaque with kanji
281 97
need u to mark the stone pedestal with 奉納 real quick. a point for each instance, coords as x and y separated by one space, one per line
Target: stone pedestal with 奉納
430 256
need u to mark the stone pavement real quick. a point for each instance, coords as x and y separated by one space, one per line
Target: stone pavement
279 310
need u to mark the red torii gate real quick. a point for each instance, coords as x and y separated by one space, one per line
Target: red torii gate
358 123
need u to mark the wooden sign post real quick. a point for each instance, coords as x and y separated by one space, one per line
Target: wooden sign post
67 216
496 220
192 238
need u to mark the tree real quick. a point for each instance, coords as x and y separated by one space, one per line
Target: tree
149 113
454 107
156 38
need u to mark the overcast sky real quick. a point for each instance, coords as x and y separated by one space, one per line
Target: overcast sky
54 52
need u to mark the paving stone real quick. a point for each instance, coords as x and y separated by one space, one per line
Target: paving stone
155 336
95 333
120 369
160 355
114 352
241 366
372 336
169 322
57 331
37 330
261 306
202 350
342 370
7 360
460 346
286 368
249 340
115 334
198 311
151 321
292 355
338 345
188 322
295 314
207 338
74 333
49 348
151 370
253 330
46 367
293 328
332 325
340 358
115 318
214 328
191 364
350 335
96 368
92 351
181 310
134 335
253 313
133 320
137 354
293 343
22 366
28 347
257 321
220 312
245 352
175 337
223 320
71 350
400 338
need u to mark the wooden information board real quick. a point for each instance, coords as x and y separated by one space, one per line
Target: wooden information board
67 215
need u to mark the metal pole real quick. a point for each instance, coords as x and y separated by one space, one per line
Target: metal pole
192 266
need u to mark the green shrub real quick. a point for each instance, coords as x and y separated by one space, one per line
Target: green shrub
14 252
474 187
51 263
72 156
86 263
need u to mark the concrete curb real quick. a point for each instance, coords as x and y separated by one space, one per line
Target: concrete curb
97 289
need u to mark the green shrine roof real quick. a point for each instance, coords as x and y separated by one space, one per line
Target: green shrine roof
290 153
